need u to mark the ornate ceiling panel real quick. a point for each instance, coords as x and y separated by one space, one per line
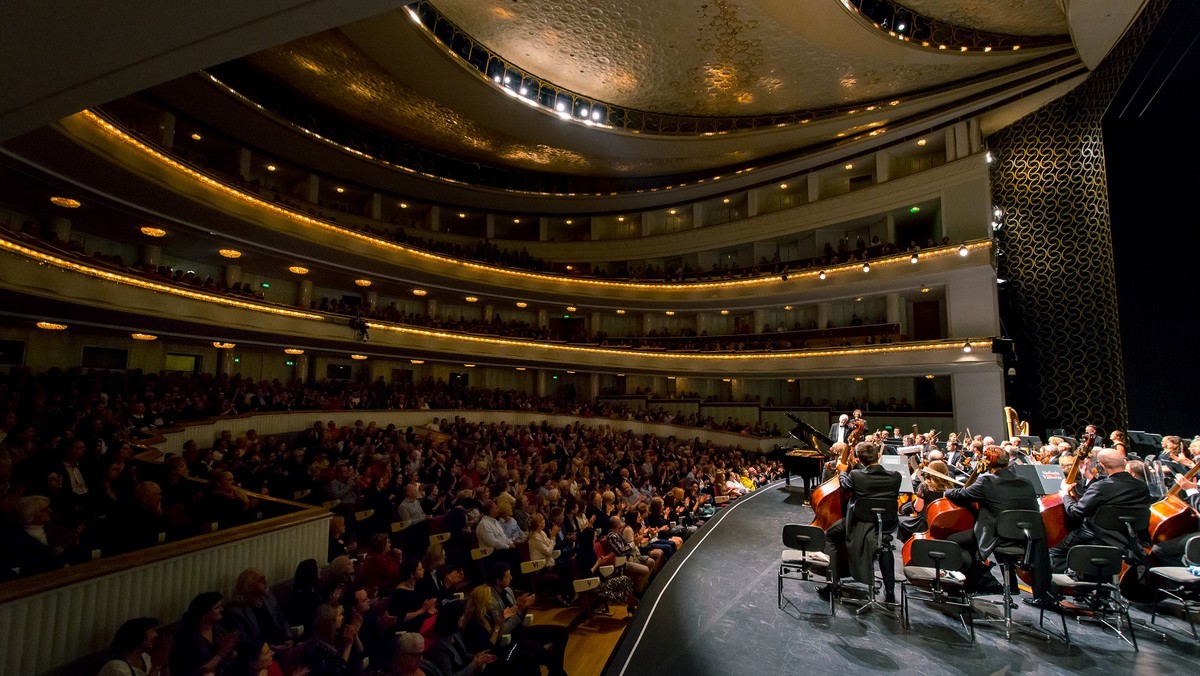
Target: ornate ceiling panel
1014 17
725 57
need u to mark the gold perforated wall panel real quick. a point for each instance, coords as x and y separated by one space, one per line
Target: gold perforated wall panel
1060 298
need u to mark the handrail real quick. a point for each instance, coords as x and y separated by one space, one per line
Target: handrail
44 582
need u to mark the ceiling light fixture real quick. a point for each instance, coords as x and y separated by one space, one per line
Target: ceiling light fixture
358 357
963 251
224 346
66 202
363 282
152 232
298 269
51 326
196 136
522 304
967 346
293 350
230 253
418 362
143 336
471 299
420 292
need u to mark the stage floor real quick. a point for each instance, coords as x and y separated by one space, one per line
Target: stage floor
713 610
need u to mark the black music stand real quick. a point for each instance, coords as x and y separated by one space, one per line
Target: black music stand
1046 479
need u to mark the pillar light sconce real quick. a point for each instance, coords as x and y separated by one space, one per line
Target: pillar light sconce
420 292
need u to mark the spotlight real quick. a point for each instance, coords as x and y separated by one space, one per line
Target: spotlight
866 267
963 251
989 157
822 275
783 277
913 260
967 346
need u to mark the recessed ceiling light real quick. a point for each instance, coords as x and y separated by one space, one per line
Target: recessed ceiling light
51 326
196 136
340 189
404 205
921 142
153 232
230 253
66 202
849 167
271 167
298 269
143 336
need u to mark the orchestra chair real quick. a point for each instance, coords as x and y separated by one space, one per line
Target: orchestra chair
933 575
1093 584
884 512
805 555
1025 528
1178 583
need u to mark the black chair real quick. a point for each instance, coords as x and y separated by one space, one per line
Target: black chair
1178 583
883 512
805 555
933 575
1026 532
1093 583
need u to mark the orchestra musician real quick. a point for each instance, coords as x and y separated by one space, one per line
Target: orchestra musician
840 431
868 480
932 487
1170 553
1000 490
1118 487
1172 457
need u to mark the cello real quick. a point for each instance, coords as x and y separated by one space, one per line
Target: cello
1172 516
1054 515
946 518
828 502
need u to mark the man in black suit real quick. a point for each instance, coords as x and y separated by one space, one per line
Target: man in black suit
869 480
998 491
1118 488
839 432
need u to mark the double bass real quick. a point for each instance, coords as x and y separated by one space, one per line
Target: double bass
1172 516
946 518
828 501
1054 514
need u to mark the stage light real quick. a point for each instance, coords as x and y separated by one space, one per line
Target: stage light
963 251
967 346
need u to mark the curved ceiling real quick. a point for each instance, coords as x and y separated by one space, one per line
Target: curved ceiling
727 59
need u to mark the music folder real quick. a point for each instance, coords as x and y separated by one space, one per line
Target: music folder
899 464
1046 479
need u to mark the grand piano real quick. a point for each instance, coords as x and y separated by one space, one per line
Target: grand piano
805 457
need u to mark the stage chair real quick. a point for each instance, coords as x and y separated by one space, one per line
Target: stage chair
1024 526
1095 588
933 575
1178 583
805 554
884 513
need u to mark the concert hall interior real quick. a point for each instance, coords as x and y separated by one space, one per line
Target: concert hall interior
561 297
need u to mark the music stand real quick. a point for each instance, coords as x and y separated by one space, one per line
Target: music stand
1029 441
1046 479
899 465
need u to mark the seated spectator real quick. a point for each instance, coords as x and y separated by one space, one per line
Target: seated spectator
333 640
504 514
305 596
410 510
448 655
141 522
412 606
544 644
32 544
340 542
617 545
378 630
225 503
202 646
258 661
255 614
137 649
381 567
490 531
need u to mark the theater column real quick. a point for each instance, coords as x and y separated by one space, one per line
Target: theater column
593 386
372 300
543 318
224 362
233 274
152 255
244 159
431 307
301 371
61 227
542 382
489 313
166 129
895 311
376 206
822 315
304 293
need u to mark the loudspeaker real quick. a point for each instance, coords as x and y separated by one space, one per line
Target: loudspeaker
1004 346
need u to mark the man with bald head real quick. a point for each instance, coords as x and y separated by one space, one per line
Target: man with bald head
1118 488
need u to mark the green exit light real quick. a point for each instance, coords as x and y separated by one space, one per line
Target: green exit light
265 285
237 360
566 316
914 210
554 377
290 362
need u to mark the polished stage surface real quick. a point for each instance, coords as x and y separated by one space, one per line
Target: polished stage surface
713 610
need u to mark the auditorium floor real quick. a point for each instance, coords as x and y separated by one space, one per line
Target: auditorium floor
713 610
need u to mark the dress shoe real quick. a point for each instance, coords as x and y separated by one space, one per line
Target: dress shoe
890 598
1042 603
988 585
825 592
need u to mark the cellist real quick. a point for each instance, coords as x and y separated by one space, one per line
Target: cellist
1000 490
1118 488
